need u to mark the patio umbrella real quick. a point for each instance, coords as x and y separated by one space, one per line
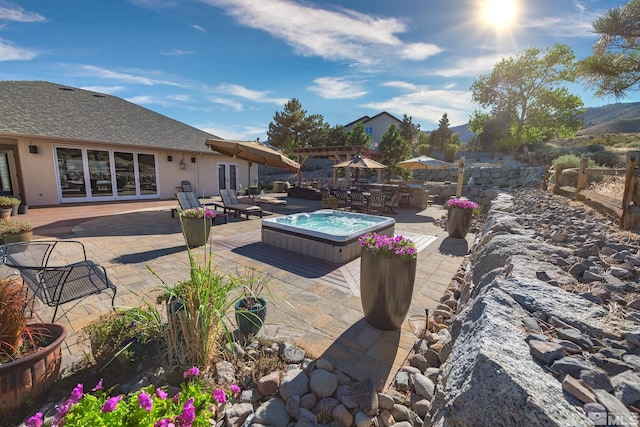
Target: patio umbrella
253 152
360 162
424 162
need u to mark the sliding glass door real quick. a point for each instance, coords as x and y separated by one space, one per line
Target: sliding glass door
113 175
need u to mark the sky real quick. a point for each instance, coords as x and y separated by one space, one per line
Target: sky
227 66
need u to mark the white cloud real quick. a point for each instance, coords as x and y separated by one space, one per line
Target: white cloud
97 72
104 89
401 85
10 52
17 14
419 51
335 35
471 66
179 52
253 95
228 102
428 105
178 97
337 88
199 28
243 133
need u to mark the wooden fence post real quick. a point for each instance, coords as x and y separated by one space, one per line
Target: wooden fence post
626 219
582 176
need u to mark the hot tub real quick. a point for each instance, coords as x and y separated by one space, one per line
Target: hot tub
326 234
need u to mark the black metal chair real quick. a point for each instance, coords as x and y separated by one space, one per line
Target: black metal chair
57 271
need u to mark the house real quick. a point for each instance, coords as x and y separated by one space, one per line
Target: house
375 126
60 144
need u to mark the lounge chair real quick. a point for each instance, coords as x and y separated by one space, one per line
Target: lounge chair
189 200
230 203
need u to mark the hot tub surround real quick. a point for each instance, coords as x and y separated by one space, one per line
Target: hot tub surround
339 246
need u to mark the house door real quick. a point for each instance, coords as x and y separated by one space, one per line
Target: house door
227 176
6 187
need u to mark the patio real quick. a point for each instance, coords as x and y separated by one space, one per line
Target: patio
315 304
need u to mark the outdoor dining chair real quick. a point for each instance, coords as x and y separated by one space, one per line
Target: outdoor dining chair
358 202
376 202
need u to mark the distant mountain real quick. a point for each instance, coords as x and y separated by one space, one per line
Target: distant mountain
612 118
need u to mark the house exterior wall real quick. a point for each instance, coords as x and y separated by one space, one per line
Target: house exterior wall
36 181
378 125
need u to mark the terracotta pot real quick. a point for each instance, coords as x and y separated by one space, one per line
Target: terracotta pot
196 231
459 222
5 212
27 379
386 289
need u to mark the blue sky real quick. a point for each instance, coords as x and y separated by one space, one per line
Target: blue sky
227 66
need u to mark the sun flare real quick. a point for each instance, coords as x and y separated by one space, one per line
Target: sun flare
499 14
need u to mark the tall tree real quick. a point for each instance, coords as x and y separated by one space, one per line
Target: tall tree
409 130
528 90
440 137
613 69
395 149
293 124
358 136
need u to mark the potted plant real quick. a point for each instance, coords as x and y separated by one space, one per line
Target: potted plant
30 353
460 212
387 275
6 206
196 225
124 335
251 308
15 230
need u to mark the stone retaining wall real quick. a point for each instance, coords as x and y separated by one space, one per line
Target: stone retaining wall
536 339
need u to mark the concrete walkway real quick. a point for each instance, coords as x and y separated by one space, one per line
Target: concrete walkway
313 304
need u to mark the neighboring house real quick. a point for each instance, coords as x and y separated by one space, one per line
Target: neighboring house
375 126
60 144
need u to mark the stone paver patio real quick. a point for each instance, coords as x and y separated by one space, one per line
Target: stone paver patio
314 303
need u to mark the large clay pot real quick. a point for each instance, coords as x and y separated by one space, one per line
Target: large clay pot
459 222
28 378
386 289
196 231
250 320
5 213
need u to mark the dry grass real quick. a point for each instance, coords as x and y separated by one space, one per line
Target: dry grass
611 186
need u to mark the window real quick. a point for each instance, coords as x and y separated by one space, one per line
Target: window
368 131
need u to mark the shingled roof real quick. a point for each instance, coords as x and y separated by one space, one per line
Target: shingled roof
37 108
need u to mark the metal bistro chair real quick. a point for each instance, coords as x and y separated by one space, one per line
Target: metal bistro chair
57 271
376 202
358 202
343 199
392 203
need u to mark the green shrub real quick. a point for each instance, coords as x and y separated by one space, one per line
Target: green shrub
8 201
450 151
569 161
594 148
608 159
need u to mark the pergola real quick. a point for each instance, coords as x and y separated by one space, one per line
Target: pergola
337 153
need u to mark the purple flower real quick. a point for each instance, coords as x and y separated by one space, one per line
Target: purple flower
165 422
111 404
191 372
176 397
133 324
461 204
160 393
388 246
63 408
77 393
188 414
218 394
98 386
235 389
145 401
34 420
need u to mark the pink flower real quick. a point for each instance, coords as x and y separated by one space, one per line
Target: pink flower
176 398
145 401
191 372
461 204
98 386
188 414
111 404
77 393
235 389
160 393
34 420
165 422
218 394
